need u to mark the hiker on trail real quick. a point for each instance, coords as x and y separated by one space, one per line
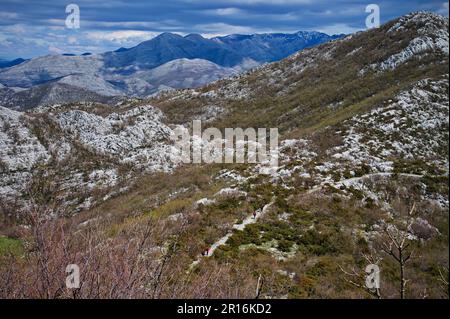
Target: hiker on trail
254 215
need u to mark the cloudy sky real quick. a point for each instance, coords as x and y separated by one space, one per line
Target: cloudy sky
31 28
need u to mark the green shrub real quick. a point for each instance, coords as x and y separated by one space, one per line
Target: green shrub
285 245
318 243
436 184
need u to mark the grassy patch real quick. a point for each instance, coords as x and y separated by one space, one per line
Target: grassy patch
10 246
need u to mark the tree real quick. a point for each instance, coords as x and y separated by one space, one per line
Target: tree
443 280
396 243
357 277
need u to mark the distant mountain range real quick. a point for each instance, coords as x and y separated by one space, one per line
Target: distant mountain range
7 63
168 61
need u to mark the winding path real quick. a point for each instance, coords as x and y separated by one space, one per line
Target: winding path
350 181
251 220
247 221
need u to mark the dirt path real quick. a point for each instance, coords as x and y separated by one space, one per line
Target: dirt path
247 221
350 181
251 220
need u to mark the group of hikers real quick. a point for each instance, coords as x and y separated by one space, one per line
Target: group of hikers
206 252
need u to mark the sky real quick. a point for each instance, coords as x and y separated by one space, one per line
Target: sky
35 28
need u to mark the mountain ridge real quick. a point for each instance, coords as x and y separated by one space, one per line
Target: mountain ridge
121 68
10 63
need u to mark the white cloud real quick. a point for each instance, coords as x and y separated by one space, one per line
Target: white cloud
122 37
8 15
251 2
271 1
16 28
72 40
121 24
214 29
55 50
444 9
228 11
57 22
243 14
337 28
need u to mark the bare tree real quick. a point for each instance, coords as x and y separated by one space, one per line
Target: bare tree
443 279
397 244
357 277
133 264
259 286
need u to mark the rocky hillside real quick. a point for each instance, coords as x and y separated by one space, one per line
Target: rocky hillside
364 124
330 81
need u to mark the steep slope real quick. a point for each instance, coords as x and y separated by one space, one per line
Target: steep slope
328 83
318 95
78 149
363 157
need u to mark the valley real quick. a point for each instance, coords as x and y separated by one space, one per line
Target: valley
363 164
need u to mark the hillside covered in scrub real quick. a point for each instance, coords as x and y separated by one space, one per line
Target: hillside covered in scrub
362 179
